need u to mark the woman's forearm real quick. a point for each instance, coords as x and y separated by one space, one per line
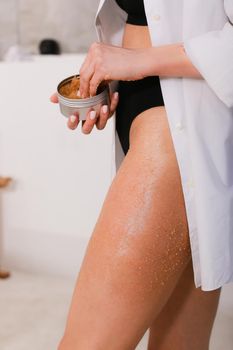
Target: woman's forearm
109 62
169 60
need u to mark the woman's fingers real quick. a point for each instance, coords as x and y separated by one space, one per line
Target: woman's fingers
54 98
92 117
107 112
103 117
114 102
88 124
86 72
92 71
72 122
94 82
85 82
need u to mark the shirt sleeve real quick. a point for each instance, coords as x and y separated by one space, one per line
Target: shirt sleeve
212 54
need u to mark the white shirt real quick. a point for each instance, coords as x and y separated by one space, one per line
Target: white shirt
200 116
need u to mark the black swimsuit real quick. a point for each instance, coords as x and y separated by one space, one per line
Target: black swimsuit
139 95
135 10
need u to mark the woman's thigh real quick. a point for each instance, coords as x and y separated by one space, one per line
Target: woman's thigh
139 246
187 318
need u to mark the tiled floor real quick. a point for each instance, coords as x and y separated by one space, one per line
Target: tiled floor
33 310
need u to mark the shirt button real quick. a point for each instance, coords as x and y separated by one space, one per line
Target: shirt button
156 17
179 126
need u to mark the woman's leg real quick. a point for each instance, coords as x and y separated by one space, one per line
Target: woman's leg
187 319
139 246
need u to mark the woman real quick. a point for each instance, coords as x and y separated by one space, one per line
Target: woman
165 227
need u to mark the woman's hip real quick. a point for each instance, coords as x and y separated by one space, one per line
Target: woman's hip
135 97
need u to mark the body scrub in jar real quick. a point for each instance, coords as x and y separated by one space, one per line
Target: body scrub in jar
71 103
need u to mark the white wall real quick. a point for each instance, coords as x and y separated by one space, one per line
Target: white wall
26 22
60 176
8 25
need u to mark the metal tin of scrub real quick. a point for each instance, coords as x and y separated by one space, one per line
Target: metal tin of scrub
81 106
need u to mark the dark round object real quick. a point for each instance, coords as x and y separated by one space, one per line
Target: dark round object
49 47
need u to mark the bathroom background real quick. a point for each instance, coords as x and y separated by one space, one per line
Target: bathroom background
26 22
59 177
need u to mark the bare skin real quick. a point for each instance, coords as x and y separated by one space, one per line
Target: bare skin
187 319
139 247
137 270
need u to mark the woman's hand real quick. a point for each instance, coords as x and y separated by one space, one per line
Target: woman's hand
107 62
92 118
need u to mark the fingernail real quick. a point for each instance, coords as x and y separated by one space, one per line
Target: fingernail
73 119
116 94
92 115
105 109
78 93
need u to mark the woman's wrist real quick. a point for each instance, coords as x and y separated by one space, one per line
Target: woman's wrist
168 60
